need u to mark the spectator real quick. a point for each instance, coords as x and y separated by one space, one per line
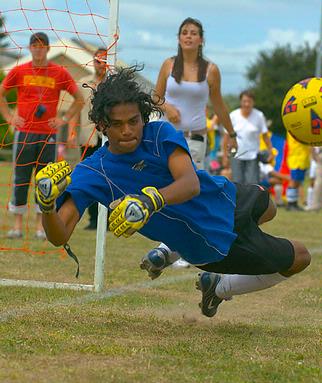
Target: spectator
312 176
317 188
298 161
186 82
89 138
248 123
38 83
271 178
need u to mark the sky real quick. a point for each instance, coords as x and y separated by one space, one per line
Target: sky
235 30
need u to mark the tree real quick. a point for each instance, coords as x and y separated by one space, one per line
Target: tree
5 133
3 35
274 73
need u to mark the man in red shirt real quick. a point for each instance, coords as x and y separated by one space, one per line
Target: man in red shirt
35 121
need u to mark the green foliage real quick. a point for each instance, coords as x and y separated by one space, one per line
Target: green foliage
3 35
5 136
274 73
232 101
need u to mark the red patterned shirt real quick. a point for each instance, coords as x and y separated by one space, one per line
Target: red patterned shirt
39 86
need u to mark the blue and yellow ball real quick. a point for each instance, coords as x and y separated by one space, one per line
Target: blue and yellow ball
302 111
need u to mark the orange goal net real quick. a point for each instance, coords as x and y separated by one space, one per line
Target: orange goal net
80 34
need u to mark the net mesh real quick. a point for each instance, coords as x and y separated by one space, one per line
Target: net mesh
75 30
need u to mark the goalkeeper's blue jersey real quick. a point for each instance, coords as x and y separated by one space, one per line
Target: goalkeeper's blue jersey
201 229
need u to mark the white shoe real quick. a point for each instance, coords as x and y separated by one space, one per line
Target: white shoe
40 234
14 233
180 264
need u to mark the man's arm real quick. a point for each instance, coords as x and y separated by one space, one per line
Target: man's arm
280 176
269 146
75 108
51 182
4 108
130 213
73 124
186 182
12 118
60 225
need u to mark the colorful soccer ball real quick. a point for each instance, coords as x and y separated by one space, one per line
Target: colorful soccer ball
302 111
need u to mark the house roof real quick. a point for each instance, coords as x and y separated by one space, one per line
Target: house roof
76 56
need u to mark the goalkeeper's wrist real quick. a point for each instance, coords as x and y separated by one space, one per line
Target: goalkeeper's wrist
155 196
47 209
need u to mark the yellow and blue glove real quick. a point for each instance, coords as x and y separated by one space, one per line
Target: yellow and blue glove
51 181
130 213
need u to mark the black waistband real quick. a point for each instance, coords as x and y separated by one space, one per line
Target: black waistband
197 137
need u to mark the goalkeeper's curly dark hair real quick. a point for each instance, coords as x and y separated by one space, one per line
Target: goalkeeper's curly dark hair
119 88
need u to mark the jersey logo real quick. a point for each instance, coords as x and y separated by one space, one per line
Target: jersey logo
44 186
212 304
139 166
42 81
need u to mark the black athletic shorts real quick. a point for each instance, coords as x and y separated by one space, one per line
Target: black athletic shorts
253 252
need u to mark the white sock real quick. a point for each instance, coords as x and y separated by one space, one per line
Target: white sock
173 255
235 284
163 246
309 196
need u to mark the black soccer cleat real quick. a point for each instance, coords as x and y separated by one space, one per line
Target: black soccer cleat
207 283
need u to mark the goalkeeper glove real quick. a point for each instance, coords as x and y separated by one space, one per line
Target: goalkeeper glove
132 212
51 181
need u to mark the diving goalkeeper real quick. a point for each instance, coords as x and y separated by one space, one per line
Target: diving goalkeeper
144 175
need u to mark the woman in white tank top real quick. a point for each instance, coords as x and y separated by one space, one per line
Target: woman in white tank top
185 83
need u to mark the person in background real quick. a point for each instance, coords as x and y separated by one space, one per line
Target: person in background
249 123
298 161
312 176
186 82
38 83
214 133
88 137
271 178
316 203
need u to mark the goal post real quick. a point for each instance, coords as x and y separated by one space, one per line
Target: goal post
102 210
111 36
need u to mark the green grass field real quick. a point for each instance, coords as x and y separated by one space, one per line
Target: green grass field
140 330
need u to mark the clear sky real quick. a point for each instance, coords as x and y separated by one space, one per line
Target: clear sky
235 30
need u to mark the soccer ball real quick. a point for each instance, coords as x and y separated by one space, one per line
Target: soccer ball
302 111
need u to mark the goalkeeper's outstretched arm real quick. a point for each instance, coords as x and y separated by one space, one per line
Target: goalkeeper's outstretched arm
60 225
51 181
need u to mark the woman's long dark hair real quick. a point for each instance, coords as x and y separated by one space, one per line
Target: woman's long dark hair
177 71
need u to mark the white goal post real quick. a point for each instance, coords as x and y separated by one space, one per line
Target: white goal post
98 284
102 210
